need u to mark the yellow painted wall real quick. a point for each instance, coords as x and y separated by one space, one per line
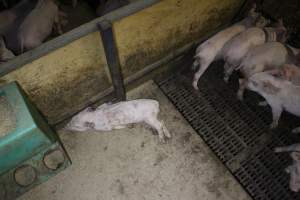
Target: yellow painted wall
70 76
152 33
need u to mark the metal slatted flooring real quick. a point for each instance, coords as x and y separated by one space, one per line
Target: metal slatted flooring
237 132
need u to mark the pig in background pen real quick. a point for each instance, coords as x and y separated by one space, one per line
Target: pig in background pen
26 24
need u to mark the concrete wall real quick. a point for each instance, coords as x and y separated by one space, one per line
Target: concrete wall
69 76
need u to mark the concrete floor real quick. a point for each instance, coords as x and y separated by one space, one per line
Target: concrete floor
131 164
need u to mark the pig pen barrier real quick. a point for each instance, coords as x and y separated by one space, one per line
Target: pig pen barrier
237 132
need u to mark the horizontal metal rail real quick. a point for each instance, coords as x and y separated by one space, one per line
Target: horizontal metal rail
72 35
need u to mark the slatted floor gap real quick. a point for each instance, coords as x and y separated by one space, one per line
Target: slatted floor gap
237 132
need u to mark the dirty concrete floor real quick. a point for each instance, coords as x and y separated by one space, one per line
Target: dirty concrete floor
131 164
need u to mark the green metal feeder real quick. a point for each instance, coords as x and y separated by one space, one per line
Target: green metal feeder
30 152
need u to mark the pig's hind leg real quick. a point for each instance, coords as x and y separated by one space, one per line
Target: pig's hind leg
241 90
203 65
276 113
158 126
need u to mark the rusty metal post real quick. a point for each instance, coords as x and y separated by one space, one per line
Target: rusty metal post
112 58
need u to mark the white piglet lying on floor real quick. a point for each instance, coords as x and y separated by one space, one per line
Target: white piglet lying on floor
279 93
116 116
294 169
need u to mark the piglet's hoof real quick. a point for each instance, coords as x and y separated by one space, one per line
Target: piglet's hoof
226 79
195 85
263 103
240 97
273 125
162 140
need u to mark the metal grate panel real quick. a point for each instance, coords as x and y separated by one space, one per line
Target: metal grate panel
237 132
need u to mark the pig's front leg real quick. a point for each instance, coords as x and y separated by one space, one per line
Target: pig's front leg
263 103
196 64
276 112
242 87
228 70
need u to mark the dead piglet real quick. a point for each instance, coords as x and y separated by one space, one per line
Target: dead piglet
211 49
294 169
39 24
110 5
116 116
279 93
5 54
268 56
236 49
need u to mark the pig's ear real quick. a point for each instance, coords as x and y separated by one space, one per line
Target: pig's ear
89 109
270 88
252 11
90 125
277 73
253 8
287 72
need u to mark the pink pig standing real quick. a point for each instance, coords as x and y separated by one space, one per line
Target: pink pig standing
211 49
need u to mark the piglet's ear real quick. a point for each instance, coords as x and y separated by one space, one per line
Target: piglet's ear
90 125
269 88
252 11
89 109
287 72
276 73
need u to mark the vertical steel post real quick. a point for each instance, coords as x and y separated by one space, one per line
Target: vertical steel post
112 58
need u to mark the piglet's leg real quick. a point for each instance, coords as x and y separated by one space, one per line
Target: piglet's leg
165 130
228 70
204 63
276 112
263 103
242 87
290 148
157 125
